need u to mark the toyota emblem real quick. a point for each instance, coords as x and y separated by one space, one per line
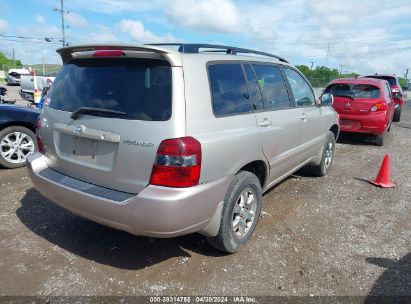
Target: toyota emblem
78 130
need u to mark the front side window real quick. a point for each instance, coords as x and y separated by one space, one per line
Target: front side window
272 85
303 95
228 90
139 88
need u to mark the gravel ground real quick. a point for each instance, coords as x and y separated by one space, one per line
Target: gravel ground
334 236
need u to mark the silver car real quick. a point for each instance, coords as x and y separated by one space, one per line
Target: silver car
167 140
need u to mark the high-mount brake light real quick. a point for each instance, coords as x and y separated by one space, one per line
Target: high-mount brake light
381 106
178 163
108 53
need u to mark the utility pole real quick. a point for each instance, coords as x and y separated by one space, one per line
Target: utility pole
62 12
312 64
406 75
341 69
14 59
328 52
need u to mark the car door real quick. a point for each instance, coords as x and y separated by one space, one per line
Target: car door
277 120
311 119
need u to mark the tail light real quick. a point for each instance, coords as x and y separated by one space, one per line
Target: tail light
382 106
40 143
178 163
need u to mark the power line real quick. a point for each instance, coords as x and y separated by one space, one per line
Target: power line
28 37
25 41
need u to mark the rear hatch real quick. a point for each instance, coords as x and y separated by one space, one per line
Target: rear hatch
357 99
105 118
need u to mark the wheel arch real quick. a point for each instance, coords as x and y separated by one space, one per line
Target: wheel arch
336 131
18 124
259 168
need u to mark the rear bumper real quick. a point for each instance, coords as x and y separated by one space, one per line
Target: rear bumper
373 123
155 211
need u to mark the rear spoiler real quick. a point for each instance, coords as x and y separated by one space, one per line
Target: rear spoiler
66 53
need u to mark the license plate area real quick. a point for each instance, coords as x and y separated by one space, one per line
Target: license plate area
85 151
350 124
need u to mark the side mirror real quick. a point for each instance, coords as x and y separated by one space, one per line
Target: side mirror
397 95
327 99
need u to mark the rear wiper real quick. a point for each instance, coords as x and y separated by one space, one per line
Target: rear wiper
347 96
96 111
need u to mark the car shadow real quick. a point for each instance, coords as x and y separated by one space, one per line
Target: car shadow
356 139
394 285
103 244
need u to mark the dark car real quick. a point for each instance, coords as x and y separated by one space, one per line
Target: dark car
17 135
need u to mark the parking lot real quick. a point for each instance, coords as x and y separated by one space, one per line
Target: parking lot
336 235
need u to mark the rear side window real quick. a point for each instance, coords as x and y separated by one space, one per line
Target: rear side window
354 90
228 89
272 85
387 90
139 87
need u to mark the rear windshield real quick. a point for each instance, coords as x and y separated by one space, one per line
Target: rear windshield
391 80
354 90
139 87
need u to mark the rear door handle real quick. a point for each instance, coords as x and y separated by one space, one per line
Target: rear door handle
303 117
265 123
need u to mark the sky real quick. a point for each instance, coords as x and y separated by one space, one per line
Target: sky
368 36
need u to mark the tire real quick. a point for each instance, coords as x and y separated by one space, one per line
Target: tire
237 221
327 157
21 141
397 115
379 140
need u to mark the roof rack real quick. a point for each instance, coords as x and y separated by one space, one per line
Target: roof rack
195 48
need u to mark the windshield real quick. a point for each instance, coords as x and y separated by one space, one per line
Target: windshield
354 90
141 88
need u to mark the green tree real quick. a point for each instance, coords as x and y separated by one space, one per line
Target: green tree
8 63
321 75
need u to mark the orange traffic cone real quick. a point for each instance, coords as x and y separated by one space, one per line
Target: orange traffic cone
383 179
